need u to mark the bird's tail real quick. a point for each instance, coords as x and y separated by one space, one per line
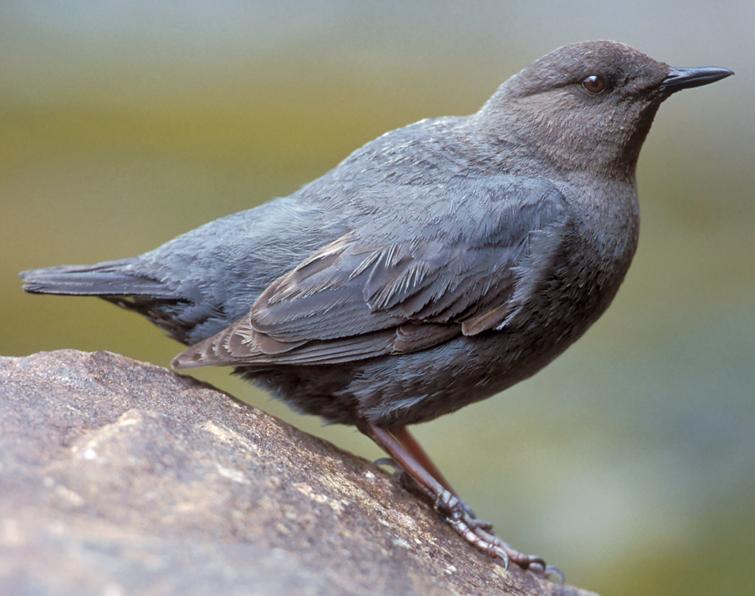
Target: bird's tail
110 278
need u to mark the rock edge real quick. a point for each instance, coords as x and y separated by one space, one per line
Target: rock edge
119 477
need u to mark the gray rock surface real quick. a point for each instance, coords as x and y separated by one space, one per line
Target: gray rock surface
118 477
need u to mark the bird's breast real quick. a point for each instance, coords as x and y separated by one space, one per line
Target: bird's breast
592 263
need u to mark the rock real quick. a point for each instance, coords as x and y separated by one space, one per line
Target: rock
118 477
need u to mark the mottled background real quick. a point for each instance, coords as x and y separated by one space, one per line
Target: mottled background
630 461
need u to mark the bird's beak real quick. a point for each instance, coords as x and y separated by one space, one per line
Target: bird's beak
685 78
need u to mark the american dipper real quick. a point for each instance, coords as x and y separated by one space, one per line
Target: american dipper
435 266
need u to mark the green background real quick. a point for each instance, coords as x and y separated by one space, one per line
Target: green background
629 462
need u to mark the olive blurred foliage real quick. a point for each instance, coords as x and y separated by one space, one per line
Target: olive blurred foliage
630 461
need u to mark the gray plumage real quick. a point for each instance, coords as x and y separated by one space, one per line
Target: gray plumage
435 266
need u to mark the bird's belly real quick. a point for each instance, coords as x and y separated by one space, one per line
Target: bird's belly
422 386
417 387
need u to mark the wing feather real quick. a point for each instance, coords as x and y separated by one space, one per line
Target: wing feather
369 294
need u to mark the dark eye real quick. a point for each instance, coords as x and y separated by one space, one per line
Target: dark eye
594 84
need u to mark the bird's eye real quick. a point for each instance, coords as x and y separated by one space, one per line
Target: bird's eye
594 84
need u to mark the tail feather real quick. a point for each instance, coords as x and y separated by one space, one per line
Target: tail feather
111 278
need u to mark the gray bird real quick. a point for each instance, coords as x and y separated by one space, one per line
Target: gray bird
437 265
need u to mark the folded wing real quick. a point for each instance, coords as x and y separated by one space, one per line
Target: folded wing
403 286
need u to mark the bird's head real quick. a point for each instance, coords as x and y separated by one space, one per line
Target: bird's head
588 105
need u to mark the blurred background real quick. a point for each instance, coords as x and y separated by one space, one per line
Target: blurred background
629 462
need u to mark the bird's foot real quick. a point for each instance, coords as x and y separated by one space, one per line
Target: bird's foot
409 484
473 521
412 467
479 534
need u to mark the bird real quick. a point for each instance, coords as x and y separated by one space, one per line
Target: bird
435 266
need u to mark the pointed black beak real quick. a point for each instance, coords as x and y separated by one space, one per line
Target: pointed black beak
685 78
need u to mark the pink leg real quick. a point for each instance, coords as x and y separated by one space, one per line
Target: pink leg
409 455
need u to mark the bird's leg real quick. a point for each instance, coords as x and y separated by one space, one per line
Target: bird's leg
409 443
403 436
447 502
415 450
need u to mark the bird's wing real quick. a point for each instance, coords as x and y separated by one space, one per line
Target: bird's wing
369 294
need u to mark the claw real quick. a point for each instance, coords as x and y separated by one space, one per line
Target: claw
387 461
491 548
536 568
478 535
553 571
531 562
505 559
